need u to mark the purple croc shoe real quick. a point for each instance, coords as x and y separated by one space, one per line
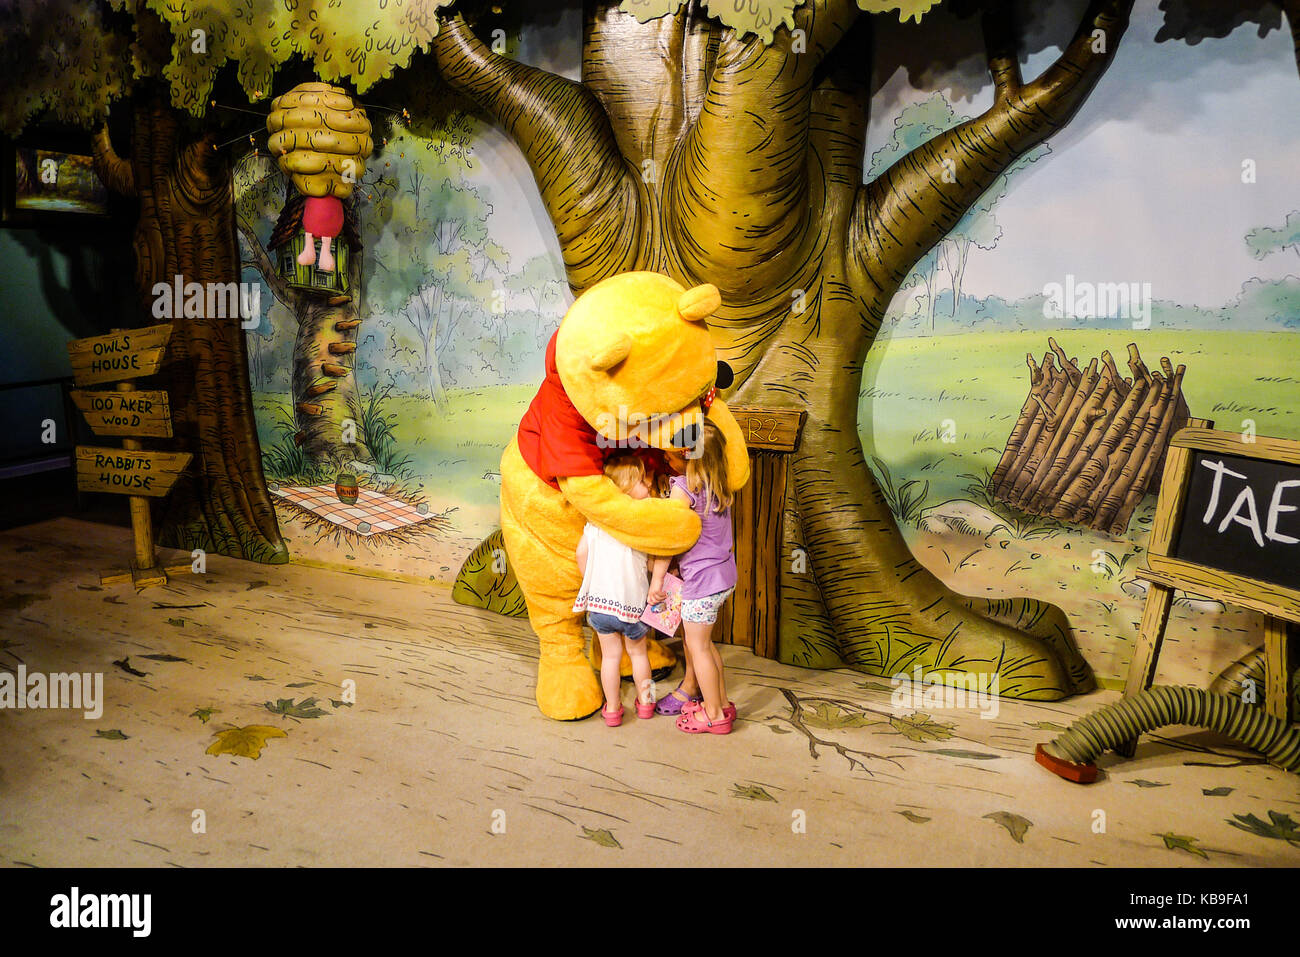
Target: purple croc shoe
673 702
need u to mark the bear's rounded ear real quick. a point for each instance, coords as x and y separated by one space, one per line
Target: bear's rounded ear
608 354
698 303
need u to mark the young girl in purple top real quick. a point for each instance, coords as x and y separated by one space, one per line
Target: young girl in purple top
708 577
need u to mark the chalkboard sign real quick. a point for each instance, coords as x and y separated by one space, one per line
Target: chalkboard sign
1242 515
1227 525
1228 520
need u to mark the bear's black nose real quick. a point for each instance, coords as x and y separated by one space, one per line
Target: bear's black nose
686 437
725 376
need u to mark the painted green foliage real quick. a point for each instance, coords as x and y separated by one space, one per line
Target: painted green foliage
762 17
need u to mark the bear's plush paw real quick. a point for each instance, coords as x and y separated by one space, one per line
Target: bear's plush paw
568 690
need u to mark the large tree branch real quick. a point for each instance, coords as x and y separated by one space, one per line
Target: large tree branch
263 264
1292 10
595 199
901 214
740 190
649 77
115 172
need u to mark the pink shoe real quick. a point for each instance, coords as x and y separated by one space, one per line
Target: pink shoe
612 718
728 712
697 722
644 710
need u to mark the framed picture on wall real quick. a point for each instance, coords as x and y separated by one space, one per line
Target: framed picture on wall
49 178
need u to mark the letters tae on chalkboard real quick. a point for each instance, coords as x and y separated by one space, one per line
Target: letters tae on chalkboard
1242 515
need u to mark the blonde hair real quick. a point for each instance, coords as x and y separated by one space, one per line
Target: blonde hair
707 469
625 471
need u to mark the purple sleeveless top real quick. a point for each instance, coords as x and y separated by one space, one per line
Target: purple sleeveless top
710 565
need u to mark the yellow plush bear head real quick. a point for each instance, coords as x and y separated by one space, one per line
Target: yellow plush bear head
635 357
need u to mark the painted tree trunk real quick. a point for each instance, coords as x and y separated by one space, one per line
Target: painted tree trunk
186 229
327 407
689 151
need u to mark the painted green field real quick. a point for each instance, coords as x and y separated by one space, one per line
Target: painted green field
457 447
979 382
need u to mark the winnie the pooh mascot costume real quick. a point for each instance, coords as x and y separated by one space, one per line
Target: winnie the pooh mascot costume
631 366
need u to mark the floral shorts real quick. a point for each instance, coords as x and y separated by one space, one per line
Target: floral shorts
704 611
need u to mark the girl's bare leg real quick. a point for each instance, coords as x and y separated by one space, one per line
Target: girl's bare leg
639 653
699 638
722 675
611 660
690 682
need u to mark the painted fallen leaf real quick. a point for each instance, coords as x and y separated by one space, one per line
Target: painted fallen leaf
113 735
970 755
751 792
125 665
256 678
914 817
306 708
833 718
873 686
1143 783
176 622
1016 825
90 588
602 837
163 658
1045 726
245 742
340 704
920 727
205 714
300 684
1181 842
259 584
113 600
777 728
1217 792
1282 827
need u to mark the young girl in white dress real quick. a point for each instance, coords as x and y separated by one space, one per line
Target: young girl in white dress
613 594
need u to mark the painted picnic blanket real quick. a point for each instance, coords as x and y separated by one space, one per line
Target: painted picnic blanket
373 513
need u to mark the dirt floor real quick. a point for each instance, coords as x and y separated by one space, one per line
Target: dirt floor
392 726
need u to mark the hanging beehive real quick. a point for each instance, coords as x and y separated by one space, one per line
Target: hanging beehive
321 140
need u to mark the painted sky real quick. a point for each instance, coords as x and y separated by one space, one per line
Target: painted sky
1143 185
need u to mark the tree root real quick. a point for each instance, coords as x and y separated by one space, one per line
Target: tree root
796 721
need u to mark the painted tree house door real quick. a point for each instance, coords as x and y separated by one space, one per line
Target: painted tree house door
752 616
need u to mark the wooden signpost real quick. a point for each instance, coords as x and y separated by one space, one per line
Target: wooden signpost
130 470
1227 525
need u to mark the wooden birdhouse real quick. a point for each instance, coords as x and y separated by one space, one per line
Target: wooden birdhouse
287 242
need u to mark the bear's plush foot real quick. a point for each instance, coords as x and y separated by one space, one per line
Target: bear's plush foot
662 661
567 690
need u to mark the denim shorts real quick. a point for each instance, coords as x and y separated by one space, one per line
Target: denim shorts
608 624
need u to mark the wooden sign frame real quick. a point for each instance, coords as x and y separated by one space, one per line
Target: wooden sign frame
121 356
1165 572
